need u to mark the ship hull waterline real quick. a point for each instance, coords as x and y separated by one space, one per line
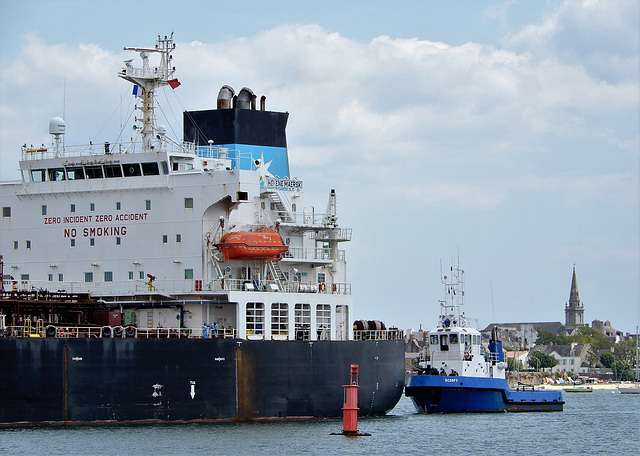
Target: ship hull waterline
80 381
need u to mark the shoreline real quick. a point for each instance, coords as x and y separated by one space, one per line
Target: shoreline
595 386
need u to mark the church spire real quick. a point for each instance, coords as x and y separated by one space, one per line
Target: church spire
574 296
573 310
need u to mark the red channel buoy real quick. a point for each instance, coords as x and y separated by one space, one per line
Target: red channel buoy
350 407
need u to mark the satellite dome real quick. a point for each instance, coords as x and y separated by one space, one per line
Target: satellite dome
162 130
56 126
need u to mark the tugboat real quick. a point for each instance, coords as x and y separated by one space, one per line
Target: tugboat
460 375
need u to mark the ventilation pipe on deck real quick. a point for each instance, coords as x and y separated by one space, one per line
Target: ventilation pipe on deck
225 97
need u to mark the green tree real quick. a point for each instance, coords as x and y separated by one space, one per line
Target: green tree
514 365
593 337
607 359
622 371
540 360
550 338
625 350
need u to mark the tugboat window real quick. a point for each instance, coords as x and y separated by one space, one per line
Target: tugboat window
444 342
453 338
433 340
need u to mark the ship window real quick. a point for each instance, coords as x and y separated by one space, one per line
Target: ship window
165 168
130 275
44 209
72 208
60 277
178 238
24 277
112 171
243 196
118 241
108 276
75 173
141 275
88 276
453 338
93 172
131 169
321 277
28 244
255 318
56 174
15 245
188 203
279 319
6 211
150 169
50 277
147 205
92 207
188 273
433 339
444 342
323 321
92 241
37 175
118 205
72 242
302 315
164 238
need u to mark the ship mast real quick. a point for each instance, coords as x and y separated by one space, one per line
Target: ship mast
148 79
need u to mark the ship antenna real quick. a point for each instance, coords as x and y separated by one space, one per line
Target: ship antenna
148 79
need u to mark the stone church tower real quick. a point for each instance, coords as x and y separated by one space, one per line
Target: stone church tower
574 310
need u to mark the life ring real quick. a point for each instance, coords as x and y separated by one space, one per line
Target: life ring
50 331
322 287
106 332
117 331
61 332
130 331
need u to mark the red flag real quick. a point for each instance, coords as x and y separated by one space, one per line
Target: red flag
173 83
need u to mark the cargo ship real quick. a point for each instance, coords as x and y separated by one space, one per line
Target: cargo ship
460 375
179 280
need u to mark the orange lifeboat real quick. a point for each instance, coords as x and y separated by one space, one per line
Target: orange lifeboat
262 245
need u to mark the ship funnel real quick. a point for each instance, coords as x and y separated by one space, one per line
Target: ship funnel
225 97
246 99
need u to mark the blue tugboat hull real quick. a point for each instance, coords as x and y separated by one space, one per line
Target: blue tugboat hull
446 394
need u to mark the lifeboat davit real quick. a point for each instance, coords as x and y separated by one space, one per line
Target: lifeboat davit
262 245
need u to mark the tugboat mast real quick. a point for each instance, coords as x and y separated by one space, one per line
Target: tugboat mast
147 79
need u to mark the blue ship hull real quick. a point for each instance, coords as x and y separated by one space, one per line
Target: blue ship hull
446 394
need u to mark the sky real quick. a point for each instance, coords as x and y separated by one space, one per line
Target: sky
503 134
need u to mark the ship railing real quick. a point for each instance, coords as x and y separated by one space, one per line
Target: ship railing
105 332
382 334
98 149
316 254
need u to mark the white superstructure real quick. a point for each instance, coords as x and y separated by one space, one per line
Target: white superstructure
136 226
